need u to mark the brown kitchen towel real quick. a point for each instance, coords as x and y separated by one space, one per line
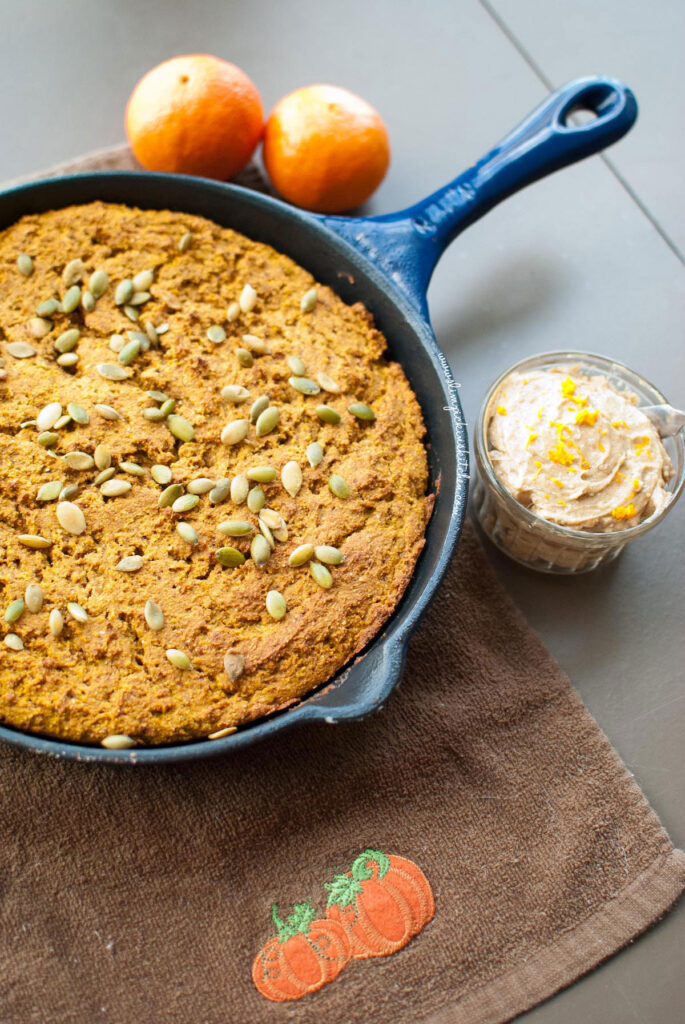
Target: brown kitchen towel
480 831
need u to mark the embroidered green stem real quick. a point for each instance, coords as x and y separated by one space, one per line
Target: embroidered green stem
360 866
345 888
297 923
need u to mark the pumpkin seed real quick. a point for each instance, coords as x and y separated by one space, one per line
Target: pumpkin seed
161 474
132 313
114 488
68 492
231 558
162 328
151 333
235 432
267 420
49 491
132 563
14 610
321 575
234 665
56 622
258 407
79 460
239 489
308 300
77 612
300 555
48 416
185 502
71 299
178 659
256 499
133 468
39 328
166 408
102 457
201 485
327 415
328 384
68 340
33 598
20 350
14 642
117 342
260 549
24 264
48 438
72 273
63 421
275 605
338 486
220 492
267 534
25 424
235 528
184 241
235 393
361 411
87 301
254 344
154 616
118 741
216 333
314 454
304 385
187 533
70 517
129 353
107 412
272 518
110 371
104 476
142 338
48 308
98 283
248 299
233 312
67 359
291 478
180 427
78 414
143 280
139 299
123 292
296 365
329 555
261 474
157 396
281 534
34 540
154 414
244 357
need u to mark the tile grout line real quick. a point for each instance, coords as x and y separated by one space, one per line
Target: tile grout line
537 70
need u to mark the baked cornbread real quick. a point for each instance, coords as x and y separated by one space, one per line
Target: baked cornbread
205 529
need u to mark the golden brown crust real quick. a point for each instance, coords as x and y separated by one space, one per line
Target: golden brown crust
111 675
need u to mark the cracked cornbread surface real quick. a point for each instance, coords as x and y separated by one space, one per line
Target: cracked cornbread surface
111 674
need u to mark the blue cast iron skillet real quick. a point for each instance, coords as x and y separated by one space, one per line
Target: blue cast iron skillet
385 262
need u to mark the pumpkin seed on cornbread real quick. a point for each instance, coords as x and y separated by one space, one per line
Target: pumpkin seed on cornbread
151 571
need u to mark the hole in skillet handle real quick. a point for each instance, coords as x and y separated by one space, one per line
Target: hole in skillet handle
597 102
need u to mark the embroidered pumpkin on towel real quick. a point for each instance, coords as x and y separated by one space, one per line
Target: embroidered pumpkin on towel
304 955
382 902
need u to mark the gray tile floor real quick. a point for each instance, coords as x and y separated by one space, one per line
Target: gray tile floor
591 258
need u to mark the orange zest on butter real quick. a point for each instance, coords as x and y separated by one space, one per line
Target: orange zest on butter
501 410
531 438
637 486
624 511
568 387
561 454
587 418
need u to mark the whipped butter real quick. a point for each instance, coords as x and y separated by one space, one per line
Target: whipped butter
576 451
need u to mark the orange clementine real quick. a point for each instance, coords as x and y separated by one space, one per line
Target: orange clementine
325 149
196 115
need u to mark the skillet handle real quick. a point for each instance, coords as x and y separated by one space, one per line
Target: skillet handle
408 244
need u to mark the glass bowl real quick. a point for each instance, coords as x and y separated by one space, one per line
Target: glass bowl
525 536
